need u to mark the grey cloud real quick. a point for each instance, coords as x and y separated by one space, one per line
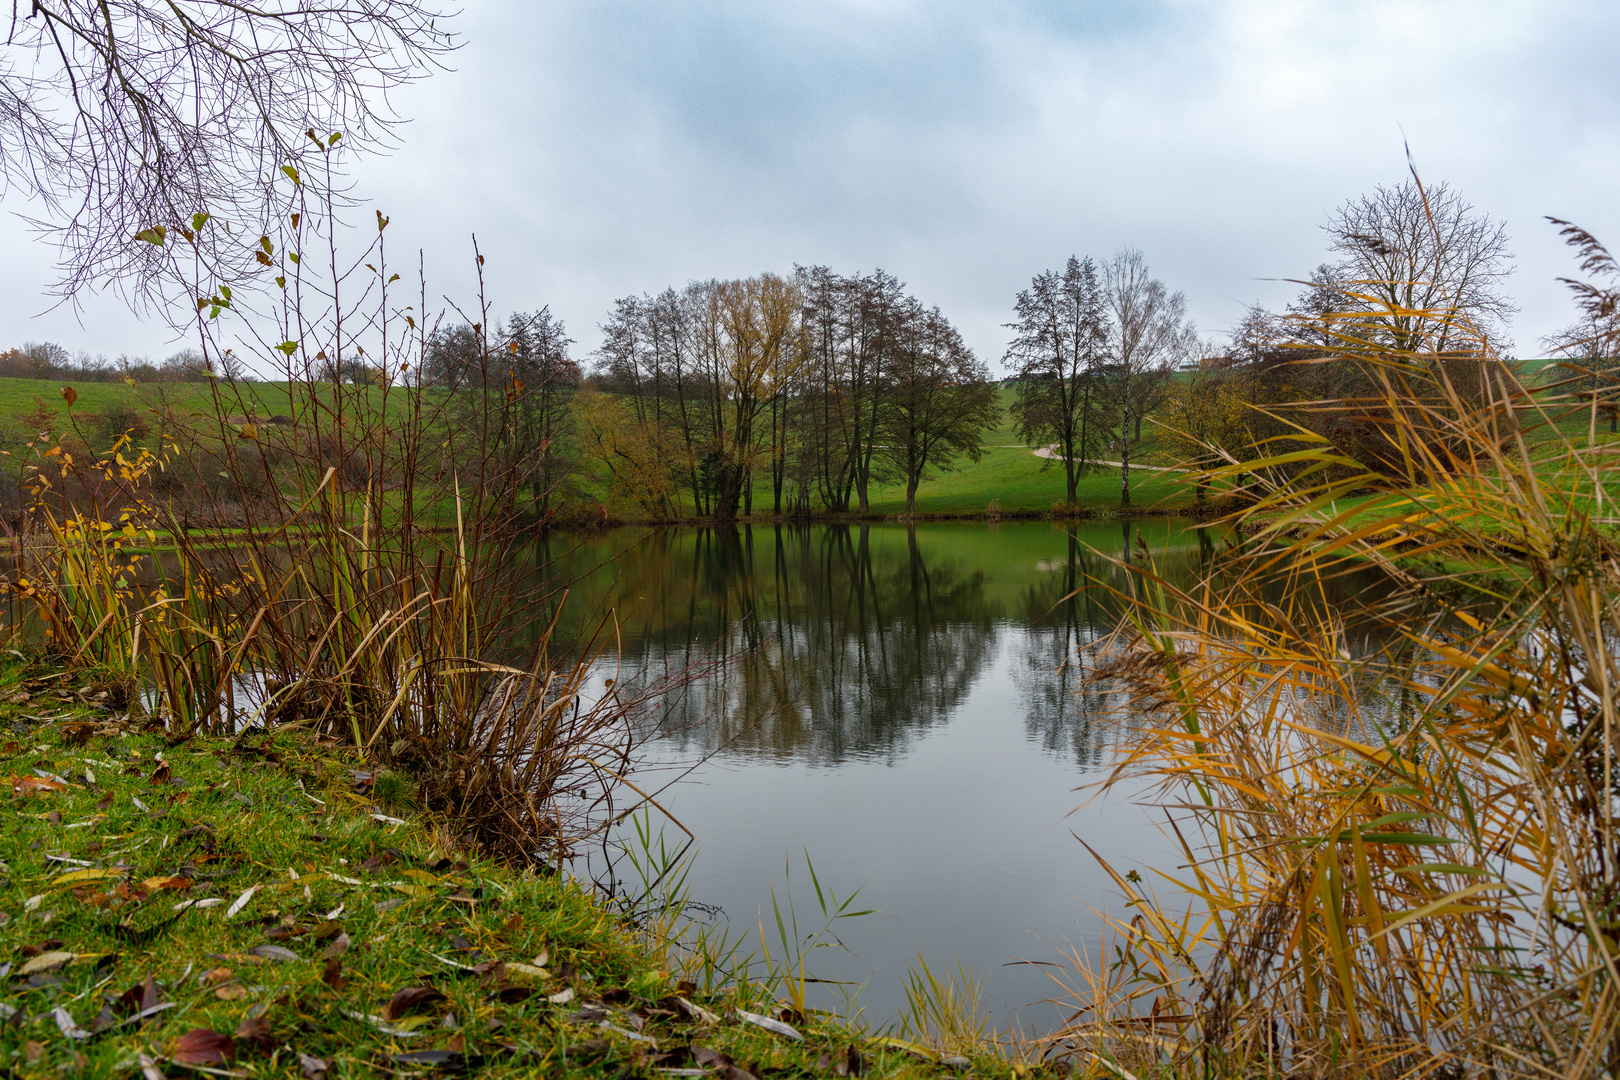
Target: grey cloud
605 149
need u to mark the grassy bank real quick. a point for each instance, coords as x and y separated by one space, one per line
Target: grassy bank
273 906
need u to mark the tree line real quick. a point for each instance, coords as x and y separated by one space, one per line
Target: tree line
48 360
813 386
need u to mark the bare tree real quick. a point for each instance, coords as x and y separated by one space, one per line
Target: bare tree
1061 341
1149 332
156 120
1419 261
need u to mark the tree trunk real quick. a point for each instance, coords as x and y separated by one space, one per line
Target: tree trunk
911 497
1071 470
1125 460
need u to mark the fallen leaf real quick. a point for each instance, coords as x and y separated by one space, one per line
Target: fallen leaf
241 901
34 785
721 1064
274 952
179 883
909 1047
74 877
339 946
562 997
205 902
314 1067
696 1012
409 999
216 976
231 992
769 1024
377 862
333 975
528 969
202 1046
67 1025
139 998
46 961
160 775
255 1028
402 1031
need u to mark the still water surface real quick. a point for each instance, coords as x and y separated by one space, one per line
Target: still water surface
906 705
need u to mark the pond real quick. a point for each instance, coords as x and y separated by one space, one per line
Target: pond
905 706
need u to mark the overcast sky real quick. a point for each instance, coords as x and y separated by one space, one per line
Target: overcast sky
603 149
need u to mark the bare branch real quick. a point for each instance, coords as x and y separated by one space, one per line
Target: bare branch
122 116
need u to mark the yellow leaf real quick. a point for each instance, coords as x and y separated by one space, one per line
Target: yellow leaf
528 969
74 877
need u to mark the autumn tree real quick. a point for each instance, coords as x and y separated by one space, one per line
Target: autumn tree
1212 413
1060 344
629 452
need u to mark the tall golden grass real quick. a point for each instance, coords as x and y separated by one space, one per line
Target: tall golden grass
1400 860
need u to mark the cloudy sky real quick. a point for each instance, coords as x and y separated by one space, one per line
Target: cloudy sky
602 149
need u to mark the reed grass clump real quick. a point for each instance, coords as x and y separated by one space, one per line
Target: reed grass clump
358 567
1398 834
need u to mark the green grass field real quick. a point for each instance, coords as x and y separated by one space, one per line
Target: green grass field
1008 472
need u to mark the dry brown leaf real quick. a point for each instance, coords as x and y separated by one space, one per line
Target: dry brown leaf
255 1028
33 785
202 1046
410 999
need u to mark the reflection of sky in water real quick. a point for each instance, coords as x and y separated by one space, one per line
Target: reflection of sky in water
907 706
962 841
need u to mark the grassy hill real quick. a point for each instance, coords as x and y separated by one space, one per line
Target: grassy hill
1008 473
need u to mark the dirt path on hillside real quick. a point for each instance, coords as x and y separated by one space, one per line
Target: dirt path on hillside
1050 452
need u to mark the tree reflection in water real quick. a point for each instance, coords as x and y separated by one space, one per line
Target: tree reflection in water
825 643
